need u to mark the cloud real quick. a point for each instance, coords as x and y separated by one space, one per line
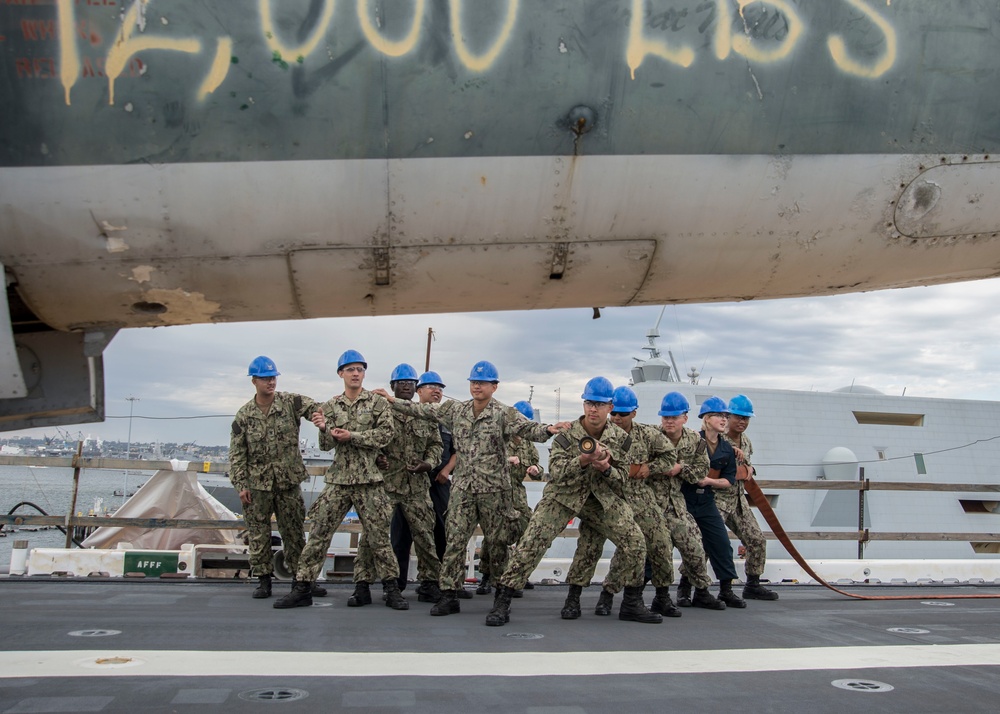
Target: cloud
936 341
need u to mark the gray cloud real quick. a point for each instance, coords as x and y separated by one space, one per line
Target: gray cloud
937 341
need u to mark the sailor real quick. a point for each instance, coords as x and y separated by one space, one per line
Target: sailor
404 461
733 504
647 451
691 467
358 423
524 463
430 389
480 494
700 497
584 461
266 469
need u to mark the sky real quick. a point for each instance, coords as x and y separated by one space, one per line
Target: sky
937 341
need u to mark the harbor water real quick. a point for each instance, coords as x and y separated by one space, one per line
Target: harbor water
51 489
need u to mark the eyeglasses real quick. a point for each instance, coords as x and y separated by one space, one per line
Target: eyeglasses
479 383
406 382
355 369
267 379
594 405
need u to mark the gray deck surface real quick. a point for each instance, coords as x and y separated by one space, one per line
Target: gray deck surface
207 646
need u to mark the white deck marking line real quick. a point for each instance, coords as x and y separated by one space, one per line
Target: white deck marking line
187 663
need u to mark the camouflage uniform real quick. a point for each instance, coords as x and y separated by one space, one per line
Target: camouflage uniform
527 455
684 531
585 492
416 440
353 479
735 510
480 491
264 457
646 445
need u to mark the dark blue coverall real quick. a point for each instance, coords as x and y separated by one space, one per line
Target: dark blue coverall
701 505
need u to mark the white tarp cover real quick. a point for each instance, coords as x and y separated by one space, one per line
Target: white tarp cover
168 494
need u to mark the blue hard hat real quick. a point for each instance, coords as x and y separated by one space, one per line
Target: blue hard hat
740 405
403 371
598 389
713 405
484 371
263 367
430 378
674 404
525 408
351 357
624 401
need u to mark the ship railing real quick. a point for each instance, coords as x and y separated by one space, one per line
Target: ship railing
861 535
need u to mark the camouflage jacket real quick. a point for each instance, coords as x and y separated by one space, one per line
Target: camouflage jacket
527 454
264 450
646 445
570 483
480 441
693 453
726 498
415 440
369 419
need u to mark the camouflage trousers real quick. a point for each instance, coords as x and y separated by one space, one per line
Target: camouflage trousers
419 514
686 537
327 513
493 512
659 548
616 523
519 496
742 522
289 511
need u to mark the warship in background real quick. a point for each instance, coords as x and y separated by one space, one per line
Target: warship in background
848 434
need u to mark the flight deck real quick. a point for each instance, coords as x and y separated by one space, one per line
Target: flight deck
81 645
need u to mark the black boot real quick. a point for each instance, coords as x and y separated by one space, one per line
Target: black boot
753 590
316 590
529 585
394 598
604 603
571 608
263 589
428 592
663 604
361 596
462 594
634 609
684 592
500 614
447 605
484 585
300 596
703 598
727 595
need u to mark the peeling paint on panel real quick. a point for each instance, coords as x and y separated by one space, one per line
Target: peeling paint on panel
115 245
183 308
142 273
